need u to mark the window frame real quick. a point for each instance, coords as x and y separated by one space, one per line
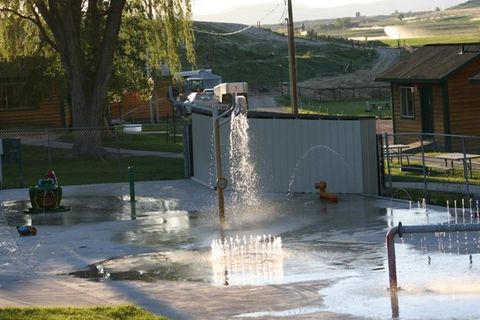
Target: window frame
407 111
10 88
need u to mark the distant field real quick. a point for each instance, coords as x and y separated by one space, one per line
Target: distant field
412 28
415 42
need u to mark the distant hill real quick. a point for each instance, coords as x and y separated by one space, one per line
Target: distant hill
258 55
467 5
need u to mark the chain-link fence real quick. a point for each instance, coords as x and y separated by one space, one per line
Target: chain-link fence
431 165
93 155
340 94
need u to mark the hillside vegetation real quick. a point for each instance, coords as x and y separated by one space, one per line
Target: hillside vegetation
468 4
261 56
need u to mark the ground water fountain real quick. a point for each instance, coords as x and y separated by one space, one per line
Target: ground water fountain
239 255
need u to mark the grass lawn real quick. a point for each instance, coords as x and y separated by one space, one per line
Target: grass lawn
72 170
437 198
154 138
436 175
125 312
149 142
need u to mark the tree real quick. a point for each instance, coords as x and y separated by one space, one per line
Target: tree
84 35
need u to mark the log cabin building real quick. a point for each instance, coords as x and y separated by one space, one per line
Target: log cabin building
20 110
22 107
436 89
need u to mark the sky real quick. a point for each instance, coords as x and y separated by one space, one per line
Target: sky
203 7
273 11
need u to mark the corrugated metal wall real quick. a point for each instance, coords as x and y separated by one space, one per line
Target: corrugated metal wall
293 154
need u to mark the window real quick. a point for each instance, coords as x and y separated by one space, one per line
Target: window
407 102
15 96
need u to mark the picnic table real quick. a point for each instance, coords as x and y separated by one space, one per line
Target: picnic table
396 151
466 159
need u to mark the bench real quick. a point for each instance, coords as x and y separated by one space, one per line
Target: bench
418 168
415 168
399 156
448 170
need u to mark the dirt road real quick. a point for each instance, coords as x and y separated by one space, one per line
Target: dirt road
359 78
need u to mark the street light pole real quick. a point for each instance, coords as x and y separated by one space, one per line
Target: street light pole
291 59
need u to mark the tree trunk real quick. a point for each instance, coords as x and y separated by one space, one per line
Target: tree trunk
87 65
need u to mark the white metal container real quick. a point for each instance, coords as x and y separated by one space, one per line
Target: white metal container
230 88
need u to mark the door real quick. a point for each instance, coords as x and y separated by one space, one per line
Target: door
426 106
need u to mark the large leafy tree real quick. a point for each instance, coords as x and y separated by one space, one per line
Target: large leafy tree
84 36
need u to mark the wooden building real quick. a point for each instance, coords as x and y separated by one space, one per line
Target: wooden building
134 108
53 112
23 107
434 91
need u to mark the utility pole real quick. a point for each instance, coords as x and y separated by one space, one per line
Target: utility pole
291 59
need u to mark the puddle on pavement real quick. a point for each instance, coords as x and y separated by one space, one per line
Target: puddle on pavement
161 267
83 210
320 241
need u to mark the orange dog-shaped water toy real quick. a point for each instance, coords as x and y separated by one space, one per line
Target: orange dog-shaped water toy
322 186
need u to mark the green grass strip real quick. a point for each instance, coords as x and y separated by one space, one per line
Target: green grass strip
122 312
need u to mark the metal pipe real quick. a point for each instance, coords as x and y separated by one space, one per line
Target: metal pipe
392 264
49 149
218 166
388 161
428 228
425 187
432 228
221 182
292 63
466 167
131 179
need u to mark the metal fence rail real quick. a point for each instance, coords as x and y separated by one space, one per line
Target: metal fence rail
156 152
340 94
431 162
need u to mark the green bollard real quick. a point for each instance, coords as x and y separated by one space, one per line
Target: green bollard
131 179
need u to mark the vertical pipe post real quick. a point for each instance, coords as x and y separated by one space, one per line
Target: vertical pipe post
218 166
131 180
292 61
168 129
388 161
465 167
425 187
392 264
117 148
49 149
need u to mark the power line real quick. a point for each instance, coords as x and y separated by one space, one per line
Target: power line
222 34
247 27
271 11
